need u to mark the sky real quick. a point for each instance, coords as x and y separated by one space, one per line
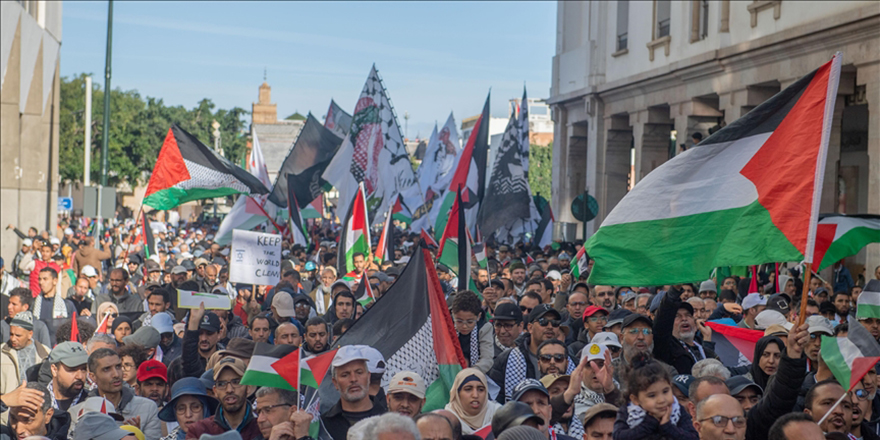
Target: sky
433 57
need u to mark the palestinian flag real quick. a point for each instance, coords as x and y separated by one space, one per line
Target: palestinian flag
104 326
355 232
364 292
352 277
480 254
748 194
298 230
385 240
734 346
455 245
470 175
851 357
147 235
580 263
868 305
315 209
400 212
188 170
260 370
839 236
299 371
422 340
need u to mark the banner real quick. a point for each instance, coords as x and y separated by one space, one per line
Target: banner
255 258
187 299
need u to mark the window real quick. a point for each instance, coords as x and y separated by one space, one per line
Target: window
31 7
662 14
704 22
622 24
699 20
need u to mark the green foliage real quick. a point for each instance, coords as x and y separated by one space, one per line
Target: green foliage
137 130
541 169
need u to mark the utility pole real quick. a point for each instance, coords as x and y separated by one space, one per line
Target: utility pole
106 129
87 143
406 125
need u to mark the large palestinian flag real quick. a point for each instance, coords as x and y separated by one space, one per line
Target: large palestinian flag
188 170
748 194
455 245
412 328
839 236
850 357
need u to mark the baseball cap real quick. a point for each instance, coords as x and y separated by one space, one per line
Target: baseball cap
708 286
150 369
778 302
769 317
152 266
350 353
496 283
146 336
541 310
687 306
89 271
407 382
595 410
737 384
23 320
97 426
177 270
775 330
554 275
283 304
593 352
200 261
503 248
230 362
508 312
616 317
210 322
528 385
27 242
94 404
383 277
592 310
683 382
818 323
310 266
630 296
187 263
607 339
513 414
550 379
163 323
376 362
752 300
634 317
71 354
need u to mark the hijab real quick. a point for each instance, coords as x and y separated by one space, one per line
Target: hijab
469 423
758 375
117 322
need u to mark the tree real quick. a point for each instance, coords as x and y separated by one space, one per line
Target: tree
541 169
137 131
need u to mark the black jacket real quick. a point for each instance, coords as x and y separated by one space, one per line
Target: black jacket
337 424
650 428
779 398
666 347
499 368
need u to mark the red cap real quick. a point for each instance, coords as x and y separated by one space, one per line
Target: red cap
150 369
592 310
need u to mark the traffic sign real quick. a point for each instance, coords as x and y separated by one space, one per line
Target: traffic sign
65 203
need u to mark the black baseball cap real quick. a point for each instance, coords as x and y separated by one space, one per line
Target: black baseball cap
528 385
780 302
687 306
210 322
496 283
630 319
617 317
508 312
541 310
513 414
737 384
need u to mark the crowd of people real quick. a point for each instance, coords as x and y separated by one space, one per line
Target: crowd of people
96 347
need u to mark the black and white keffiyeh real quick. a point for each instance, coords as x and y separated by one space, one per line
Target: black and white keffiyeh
636 414
575 428
59 309
515 371
475 347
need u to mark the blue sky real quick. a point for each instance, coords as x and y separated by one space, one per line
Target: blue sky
434 57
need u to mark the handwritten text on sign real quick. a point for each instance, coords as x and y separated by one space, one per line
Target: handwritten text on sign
255 258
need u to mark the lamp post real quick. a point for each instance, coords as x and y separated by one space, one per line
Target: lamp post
216 126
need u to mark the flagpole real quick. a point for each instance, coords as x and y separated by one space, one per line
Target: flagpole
128 245
803 312
845 395
299 379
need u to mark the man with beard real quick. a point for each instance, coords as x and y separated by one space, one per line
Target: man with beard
507 323
491 294
675 330
43 422
120 294
317 336
552 358
638 337
105 370
272 407
322 294
234 412
518 277
68 363
199 341
532 393
603 296
351 378
20 352
406 394
152 378
841 301
79 296
521 361
821 400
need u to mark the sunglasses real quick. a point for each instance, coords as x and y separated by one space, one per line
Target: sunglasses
544 321
552 357
111 314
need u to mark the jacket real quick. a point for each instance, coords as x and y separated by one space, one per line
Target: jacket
336 423
650 428
89 256
486 342
668 348
58 426
34 277
172 351
129 302
192 362
9 369
779 398
134 406
499 368
216 424
41 332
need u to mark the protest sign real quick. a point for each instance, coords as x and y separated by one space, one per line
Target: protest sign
255 258
187 299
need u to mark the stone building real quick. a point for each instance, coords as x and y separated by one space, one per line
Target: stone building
276 137
30 39
634 80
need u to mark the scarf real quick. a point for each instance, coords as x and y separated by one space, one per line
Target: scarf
475 347
51 389
575 428
484 417
27 357
758 375
515 371
636 414
59 310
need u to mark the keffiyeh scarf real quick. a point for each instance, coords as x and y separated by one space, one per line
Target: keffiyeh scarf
514 372
475 347
59 310
636 414
575 428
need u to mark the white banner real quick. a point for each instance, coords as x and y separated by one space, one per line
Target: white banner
187 299
255 258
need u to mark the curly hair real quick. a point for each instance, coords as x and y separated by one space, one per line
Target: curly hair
645 372
84 326
466 301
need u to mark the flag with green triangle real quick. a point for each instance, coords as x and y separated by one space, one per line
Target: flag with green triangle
355 236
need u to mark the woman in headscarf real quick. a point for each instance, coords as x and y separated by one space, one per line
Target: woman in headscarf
121 328
107 310
768 352
469 400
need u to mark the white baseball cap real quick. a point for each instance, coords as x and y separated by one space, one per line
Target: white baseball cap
607 339
89 271
593 352
769 317
752 300
554 275
350 353
819 323
376 363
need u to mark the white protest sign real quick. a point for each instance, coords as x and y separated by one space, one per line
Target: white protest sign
255 258
187 299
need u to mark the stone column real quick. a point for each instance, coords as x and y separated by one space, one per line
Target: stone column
869 75
828 202
617 168
560 152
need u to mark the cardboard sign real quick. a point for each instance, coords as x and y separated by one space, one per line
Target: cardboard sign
187 299
255 258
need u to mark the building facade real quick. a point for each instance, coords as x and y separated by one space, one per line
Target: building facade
633 81
276 136
30 43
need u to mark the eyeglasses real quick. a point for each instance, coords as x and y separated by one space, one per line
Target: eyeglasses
552 357
578 304
721 421
194 408
504 325
223 383
636 331
544 321
525 309
267 409
598 319
860 394
467 322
